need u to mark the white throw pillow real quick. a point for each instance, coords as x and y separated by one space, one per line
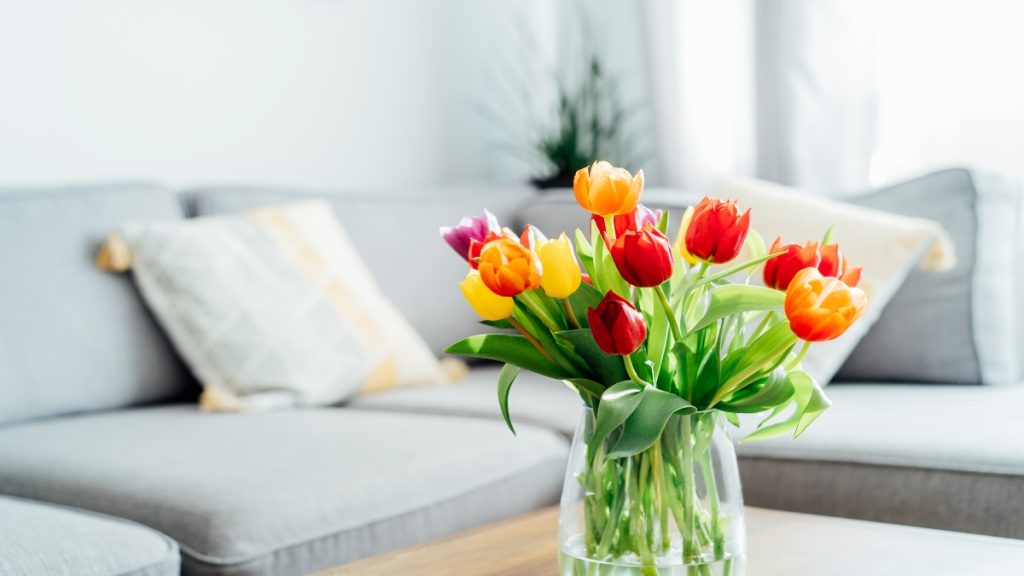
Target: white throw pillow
886 245
253 331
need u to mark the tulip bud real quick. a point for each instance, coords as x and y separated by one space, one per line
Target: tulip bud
821 307
562 274
717 231
644 257
606 190
508 268
617 326
469 229
487 304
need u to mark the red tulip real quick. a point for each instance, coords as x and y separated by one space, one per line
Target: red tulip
834 264
717 231
828 259
643 257
476 246
617 326
779 271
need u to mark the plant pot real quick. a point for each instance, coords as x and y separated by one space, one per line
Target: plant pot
560 180
675 509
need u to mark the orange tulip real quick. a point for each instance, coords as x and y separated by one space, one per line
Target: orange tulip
606 190
821 307
508 268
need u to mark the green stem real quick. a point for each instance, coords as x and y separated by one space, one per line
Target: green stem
636 529
673 322
689 505
628 363
799 357
768 317
709 481
570 314
529 299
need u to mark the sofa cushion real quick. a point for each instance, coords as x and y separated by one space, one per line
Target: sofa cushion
942 457
284 492
397 235
38 538
959 326
73 338
534 400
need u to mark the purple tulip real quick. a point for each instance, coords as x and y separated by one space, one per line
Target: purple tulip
460 237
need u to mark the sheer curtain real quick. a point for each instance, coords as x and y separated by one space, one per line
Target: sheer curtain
951 87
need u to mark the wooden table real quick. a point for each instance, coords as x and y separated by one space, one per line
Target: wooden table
779 544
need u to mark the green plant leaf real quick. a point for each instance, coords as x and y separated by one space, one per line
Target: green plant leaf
746 364
617 403
773 390
809 401
591 387
585 252
503 324
585 297
647 421
509 348
605 368
736 298
505 380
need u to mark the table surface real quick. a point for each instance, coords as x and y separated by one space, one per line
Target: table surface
779 544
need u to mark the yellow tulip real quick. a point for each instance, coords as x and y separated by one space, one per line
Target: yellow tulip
606 190
680 243
487 304
562 275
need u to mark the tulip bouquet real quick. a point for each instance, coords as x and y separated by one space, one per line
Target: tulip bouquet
665 342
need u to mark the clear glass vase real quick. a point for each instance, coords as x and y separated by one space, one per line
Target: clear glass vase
675 509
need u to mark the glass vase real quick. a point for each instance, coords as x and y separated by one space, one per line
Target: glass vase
675 509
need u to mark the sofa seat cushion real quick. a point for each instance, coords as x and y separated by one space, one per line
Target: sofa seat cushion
38 538
286 492
936 456
534 400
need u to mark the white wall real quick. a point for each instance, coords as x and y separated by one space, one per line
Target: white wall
327 93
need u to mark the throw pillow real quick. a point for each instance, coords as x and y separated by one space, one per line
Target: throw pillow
886 245
273 308
959 326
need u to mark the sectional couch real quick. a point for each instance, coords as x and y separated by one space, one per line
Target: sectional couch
107 466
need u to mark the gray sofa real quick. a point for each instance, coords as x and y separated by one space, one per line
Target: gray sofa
98 415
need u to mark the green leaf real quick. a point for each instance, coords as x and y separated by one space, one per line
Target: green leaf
647 421
584 298
503 324
591 387
606 276
663 222
755 245
617 403
773 390
562 357
736 298
585 252
752 263
505 380
744 365
509 348
605 368
809 401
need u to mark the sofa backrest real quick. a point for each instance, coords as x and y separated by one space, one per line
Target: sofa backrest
73 338
396 233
